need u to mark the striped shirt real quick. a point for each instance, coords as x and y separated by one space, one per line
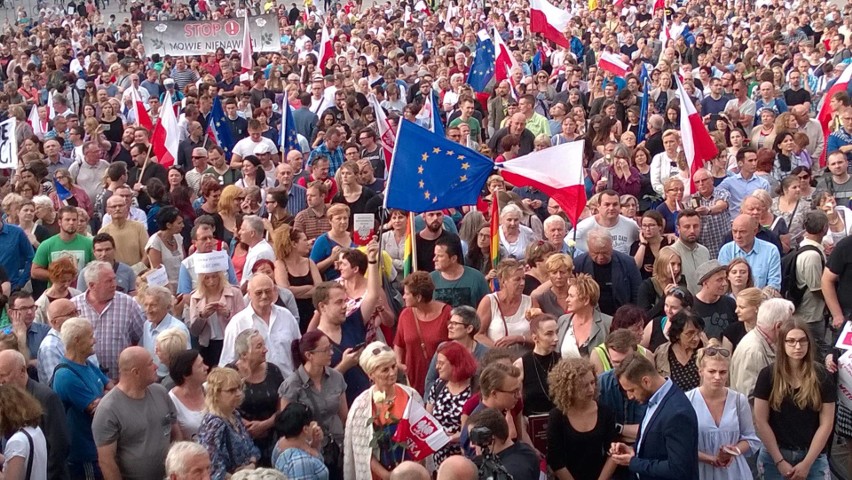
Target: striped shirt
119 326
184 78
312 224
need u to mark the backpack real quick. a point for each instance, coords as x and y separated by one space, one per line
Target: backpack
789 280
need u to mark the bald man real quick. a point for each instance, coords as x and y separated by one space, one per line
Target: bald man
756 209
13 371
516 126
51 352
458 467
135 422
761 256
410 471
276 324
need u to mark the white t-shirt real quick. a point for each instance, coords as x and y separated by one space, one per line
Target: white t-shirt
245 147
623 234
19 446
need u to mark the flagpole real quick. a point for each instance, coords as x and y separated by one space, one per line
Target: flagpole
393 158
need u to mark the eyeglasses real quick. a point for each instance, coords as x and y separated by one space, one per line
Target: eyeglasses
194 157
713 351
462 324
792 342
804 177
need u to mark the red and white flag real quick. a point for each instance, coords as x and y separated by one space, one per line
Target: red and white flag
166 137
326 51
142 117
51 112
613 63
245 58
421 7
40 127
665 33
698 146
658 4
826 113
505 61
421 431
556 171
550 21
387 135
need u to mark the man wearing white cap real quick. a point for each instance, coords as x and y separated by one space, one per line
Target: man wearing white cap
264 154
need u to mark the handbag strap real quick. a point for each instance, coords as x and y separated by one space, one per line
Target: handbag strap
502 316
31 456
419 335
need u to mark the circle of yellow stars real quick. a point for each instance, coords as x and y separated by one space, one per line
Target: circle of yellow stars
425 158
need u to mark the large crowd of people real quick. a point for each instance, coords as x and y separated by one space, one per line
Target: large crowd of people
218 315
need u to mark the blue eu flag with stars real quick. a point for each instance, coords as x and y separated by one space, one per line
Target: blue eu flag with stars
482 69
429 172
220 127
288 140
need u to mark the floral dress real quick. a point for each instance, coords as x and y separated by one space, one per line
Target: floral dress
448 410
229 445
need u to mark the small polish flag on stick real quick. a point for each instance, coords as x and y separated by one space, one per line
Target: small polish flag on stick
614 64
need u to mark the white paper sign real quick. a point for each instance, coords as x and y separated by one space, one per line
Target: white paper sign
212 262
364 226
158 277
8 145
844 341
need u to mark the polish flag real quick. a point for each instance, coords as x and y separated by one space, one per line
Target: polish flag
166 137
387 135
826 113
421 7
613 63
142 117
556 171
39 127
658 4
51 112
698 146
326 51
505 61
422 433
665 33
245 58
550 21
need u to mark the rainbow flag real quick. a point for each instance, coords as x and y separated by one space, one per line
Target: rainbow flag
409 260
495 238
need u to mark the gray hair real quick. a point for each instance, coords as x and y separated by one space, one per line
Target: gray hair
93 270
621 150
72 329
599 236
255 223
511 208
179 453
554 219
162 294
259 474
656 121
42 201
468 316
243 341
774 311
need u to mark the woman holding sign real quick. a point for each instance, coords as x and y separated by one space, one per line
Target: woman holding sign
212 304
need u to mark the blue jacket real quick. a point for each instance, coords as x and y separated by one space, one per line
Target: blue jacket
16 254
625 275
669 443
627 412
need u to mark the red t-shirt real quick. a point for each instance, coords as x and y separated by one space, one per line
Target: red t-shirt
434 332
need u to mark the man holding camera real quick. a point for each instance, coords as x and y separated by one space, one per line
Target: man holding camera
499 457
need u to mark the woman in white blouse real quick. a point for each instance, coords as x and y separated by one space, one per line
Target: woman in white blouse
586 326
726 433
503 313
393 240
189 373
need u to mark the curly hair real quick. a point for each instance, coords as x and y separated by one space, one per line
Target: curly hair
565 381
420 284
64 265
587 288
218 381
18 409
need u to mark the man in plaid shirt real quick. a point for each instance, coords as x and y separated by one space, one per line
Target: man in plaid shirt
116 318
711 203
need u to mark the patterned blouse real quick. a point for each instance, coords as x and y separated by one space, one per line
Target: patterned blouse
448 410
230 447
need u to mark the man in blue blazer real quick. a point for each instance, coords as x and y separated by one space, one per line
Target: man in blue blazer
667 446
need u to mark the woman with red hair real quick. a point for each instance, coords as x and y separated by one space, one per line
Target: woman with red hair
456 366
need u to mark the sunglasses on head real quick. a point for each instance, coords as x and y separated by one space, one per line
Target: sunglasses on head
713 351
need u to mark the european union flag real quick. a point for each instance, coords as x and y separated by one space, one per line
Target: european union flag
288 140
482 70
219 125
429 172
536 62
61 192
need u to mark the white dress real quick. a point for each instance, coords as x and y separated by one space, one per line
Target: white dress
188 420
516 324
736 424
170 259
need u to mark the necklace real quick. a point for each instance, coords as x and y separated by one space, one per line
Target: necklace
552 358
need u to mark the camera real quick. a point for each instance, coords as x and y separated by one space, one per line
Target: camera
490 467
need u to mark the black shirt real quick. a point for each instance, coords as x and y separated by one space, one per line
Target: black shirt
717 316
377 160
426 250
794 428
735 333
581 453
520 461
840 264
603 275
796 97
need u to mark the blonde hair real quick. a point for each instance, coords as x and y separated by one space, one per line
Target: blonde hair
508 267
171 341
558 261
374 356
752 296
18 409
337 209
661 271
219 380
586 287
702 352
564 381
226 199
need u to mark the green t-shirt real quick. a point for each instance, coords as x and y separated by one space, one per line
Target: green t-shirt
79 248
475 128
467 290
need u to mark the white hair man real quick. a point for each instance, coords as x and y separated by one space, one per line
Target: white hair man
614 271
252 233
757 348
187 461
555 230
156 302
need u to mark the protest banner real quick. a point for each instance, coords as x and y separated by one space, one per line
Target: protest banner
8 145
200 38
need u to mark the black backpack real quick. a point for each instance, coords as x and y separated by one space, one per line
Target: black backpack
789 281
